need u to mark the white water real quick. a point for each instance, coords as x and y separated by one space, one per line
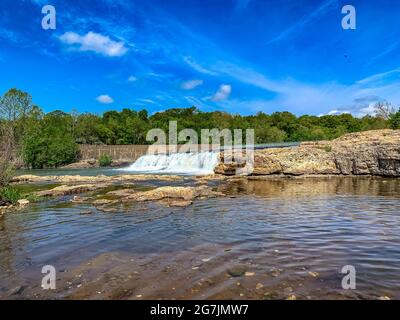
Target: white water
199 163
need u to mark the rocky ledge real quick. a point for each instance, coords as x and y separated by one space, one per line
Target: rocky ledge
366 153
70 179
169 196
94 163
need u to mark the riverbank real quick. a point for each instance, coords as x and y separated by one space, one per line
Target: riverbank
365 153
374 153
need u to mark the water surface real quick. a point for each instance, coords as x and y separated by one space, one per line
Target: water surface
292 236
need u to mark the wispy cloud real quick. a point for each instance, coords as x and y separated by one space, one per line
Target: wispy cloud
384 52
194 65
380 78
324 8
300 97
94 42
191 84
146 101
105 99
223 92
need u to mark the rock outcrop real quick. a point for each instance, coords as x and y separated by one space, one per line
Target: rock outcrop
170 196
65 190
366 153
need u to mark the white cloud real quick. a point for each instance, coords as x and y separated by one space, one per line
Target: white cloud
191 84
132 79
105 98
301 98
370 109
94 42
222 93
356 110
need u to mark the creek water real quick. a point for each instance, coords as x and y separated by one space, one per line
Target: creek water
291 236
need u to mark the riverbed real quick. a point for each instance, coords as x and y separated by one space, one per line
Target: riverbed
275 238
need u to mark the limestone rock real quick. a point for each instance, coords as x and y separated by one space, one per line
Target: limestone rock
374 152
69 179
23 202
69 190
169 196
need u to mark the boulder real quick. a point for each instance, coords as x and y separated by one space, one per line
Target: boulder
23 202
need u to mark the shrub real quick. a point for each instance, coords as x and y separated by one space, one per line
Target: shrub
105 160
10 194
6 172
394 121
49 142
32 197
49 152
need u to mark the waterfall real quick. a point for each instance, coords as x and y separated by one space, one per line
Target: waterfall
195 163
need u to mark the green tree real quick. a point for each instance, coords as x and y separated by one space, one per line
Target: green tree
49 142
394 120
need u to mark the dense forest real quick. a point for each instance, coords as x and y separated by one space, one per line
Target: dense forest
52 139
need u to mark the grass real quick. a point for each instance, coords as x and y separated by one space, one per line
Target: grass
10 194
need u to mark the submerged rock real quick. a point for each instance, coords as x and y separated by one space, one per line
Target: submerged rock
78 199
15 291
86 212
237 271
176 203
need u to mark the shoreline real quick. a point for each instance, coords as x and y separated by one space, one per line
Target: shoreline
172 194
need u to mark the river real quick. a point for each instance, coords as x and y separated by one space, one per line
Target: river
275 238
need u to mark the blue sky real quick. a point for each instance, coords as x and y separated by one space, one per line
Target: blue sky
240 56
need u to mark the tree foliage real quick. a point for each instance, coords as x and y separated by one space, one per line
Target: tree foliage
52 139
394 120
49 141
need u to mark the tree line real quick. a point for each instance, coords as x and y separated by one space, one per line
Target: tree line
52 139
